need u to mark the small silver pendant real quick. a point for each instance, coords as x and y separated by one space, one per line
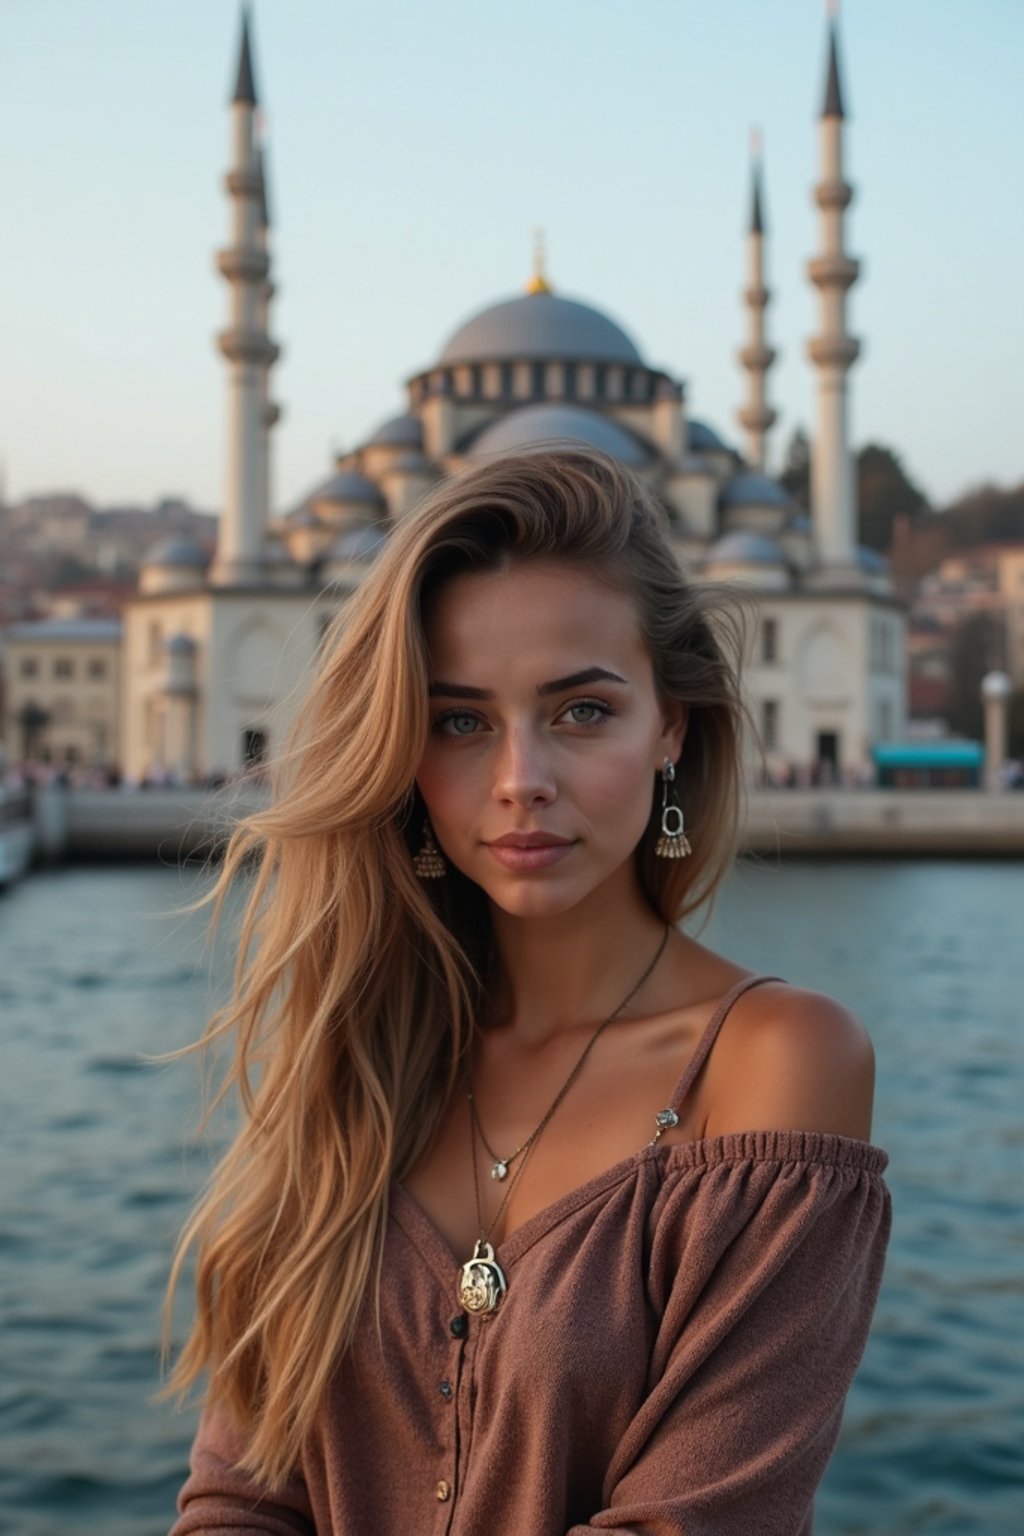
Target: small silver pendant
665 1119
482 1281
499 1170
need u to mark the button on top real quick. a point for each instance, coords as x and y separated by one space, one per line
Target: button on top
445 1389
443 1491
458 1325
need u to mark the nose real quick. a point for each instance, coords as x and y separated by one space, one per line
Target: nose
523 772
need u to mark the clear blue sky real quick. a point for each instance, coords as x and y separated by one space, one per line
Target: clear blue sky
414 145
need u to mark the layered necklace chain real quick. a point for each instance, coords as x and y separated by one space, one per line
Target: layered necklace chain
482 1282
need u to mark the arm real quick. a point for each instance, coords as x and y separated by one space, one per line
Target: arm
766 1292
220 1500
762 1329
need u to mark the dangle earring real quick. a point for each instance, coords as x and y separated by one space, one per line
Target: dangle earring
673 842
429 862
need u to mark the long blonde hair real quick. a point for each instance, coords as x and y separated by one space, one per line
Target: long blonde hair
356 986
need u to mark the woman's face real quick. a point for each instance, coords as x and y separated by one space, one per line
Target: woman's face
546 733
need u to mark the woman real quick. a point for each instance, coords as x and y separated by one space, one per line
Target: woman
543 1218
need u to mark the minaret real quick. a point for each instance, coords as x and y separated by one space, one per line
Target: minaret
271 410
756 415
833 351
245 344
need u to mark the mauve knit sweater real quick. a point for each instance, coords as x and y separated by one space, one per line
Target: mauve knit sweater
671 1358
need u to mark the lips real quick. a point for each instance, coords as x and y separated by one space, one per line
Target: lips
524 852
530 840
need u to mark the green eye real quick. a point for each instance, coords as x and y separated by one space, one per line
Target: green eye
456 724
593 712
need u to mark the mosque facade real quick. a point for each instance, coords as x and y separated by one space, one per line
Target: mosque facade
216 651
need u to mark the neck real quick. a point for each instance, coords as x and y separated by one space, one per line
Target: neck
556 973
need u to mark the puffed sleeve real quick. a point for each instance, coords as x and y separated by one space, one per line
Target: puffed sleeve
764 1277
218 1499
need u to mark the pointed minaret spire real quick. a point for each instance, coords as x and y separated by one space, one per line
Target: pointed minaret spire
833 106
538 281
756 213
755 416
245 89
249 351
833 351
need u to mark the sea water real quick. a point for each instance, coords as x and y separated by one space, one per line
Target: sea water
97 973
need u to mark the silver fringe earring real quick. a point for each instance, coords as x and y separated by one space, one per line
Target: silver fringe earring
673 842
429 862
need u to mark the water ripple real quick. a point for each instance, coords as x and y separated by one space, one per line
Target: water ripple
99 1180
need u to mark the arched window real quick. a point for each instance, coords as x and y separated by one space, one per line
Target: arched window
254 747
770 724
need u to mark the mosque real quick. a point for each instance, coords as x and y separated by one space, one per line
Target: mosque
216 651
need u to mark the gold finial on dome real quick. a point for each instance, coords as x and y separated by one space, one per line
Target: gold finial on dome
538 282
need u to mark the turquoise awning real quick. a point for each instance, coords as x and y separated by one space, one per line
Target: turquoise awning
930 754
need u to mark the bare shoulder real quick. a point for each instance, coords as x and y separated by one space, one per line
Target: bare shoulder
790 1060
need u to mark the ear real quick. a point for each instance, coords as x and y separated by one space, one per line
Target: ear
675 717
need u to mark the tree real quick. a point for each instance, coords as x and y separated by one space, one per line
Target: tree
796 473
884 492
986 515
976 648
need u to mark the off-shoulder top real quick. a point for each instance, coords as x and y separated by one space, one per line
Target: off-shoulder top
671 1358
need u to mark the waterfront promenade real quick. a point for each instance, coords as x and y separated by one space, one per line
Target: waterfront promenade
168 823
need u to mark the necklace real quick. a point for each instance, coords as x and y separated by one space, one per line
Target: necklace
482 1282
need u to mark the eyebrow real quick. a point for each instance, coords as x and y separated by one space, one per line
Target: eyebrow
557 685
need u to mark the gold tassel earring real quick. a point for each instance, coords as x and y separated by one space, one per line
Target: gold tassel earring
673 842
429 862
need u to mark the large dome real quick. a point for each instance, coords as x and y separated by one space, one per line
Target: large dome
540 325
536 424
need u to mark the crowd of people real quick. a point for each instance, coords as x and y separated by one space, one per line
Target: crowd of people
40 773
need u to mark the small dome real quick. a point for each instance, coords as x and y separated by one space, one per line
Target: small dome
540 325
177 550
400 431
537 424
701 439
348 485
751 489
694 464
180 645
411 463
742 548
303 517
871 561
358 544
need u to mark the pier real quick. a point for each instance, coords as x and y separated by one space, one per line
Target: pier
56 824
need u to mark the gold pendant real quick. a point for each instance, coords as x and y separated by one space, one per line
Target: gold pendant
481 1281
